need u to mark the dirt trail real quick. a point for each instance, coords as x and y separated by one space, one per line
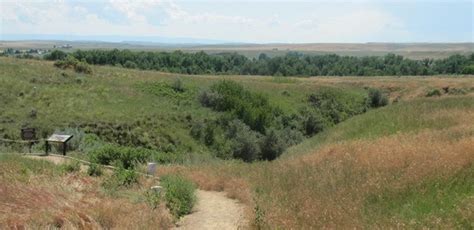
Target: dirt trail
213 210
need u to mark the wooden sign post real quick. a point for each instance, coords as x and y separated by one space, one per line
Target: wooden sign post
29 134
57 138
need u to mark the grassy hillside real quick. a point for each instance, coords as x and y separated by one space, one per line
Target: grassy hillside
409 164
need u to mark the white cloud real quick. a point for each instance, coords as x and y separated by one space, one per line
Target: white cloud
167 18
356 23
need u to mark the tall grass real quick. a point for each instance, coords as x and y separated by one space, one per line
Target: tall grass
37 194
415 175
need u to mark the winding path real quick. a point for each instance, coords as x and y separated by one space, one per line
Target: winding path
214 211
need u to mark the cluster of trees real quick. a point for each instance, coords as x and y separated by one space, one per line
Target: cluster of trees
253 129
292 64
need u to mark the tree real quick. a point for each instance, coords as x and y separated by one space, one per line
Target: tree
272 145
56 55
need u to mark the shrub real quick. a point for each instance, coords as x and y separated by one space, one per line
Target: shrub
197 130
433 92
208 99
377 98
68 62
338 104
82 67
179 194
89 142
209 135
105 155
73 63
313 122
468 69
178 85
153 198
253 109
272 145
223 148
94 170
120 178
291 136
244 142
125 177
125 157
56 55
130 64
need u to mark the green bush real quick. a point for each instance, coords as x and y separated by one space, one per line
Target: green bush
245 143
82 67
178 85
179 194
313 121
272 145
125 157
291 136
433 92
73 63
165 158
197 130
120 178
125 177
130 64
377 98
56 55
89 142
94 170
253 109
338 104
468 69
208 98
68 62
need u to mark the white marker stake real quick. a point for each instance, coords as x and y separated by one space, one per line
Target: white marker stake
151 168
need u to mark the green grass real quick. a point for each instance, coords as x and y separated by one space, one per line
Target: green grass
420 203
179 195
18 168
127 107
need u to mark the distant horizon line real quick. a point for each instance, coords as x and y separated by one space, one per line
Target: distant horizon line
181 40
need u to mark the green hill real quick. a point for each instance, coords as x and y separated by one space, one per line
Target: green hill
408 164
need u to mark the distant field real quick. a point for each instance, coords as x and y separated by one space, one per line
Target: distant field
409 50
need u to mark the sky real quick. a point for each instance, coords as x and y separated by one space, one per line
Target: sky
261 21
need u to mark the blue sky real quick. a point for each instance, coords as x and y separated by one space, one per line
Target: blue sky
261 21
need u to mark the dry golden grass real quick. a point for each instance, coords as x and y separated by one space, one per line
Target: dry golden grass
406 87
330 187
45 199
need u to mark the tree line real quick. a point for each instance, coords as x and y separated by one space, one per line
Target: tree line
291 64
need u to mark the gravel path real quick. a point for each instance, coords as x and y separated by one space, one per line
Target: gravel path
214 211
